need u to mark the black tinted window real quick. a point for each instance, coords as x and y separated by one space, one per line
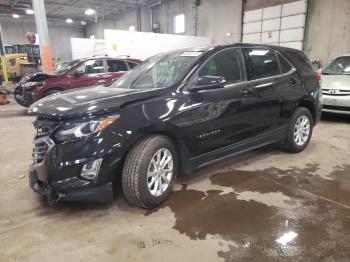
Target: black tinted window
285 66
116 66
262 63
132 65
228 63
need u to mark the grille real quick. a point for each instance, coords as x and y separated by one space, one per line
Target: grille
335 92
44 127
41 146
42 142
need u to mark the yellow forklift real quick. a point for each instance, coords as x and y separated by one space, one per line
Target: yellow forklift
22 60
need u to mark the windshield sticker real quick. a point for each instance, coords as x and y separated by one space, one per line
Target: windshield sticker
192 54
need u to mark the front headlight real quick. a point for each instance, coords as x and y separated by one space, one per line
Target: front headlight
78 130
30 85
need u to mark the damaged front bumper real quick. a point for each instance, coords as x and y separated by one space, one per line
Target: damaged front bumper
64 182
23 97
103 194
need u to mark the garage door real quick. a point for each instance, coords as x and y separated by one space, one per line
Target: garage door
282 25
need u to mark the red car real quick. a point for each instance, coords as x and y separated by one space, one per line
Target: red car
78 73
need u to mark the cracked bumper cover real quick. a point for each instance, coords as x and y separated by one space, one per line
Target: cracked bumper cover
74 190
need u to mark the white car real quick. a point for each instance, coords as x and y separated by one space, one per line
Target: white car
336 86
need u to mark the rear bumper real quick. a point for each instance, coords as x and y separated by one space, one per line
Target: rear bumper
102 193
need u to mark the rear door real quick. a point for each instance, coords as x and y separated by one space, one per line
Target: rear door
265 79
227 115
289 89
116 68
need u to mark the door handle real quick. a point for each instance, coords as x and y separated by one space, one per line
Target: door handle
247 91
292 81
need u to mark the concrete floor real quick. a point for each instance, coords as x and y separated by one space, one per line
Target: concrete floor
234 210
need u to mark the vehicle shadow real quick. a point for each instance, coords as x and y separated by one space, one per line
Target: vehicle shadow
235 162
337 118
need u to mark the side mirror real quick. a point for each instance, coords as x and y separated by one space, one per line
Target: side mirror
209 82
77 74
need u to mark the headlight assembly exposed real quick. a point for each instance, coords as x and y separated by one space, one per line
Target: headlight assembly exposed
84 129
30 85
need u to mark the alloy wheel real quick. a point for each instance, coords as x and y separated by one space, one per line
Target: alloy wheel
160 172
302 130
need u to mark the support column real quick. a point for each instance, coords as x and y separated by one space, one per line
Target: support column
41 27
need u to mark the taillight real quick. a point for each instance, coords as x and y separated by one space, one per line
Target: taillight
319 78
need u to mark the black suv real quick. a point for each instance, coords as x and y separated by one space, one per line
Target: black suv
173 113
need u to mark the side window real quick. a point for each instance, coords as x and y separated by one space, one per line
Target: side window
132 65
91 67
116 66
284 64
228 63
262 63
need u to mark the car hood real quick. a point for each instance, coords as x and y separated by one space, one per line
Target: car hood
89 101
338 82
37 77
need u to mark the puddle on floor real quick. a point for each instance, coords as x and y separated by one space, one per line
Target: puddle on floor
308 215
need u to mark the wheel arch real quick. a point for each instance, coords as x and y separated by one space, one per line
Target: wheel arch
311 107
181 148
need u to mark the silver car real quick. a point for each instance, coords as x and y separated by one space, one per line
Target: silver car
336 86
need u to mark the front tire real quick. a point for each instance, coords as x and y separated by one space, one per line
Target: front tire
299 131
149 172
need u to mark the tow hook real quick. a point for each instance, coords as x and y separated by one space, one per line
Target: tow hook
53 198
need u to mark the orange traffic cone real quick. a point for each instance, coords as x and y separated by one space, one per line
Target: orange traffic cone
3 96
3 99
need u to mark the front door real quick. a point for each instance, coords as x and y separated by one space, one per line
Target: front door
223 116
87 74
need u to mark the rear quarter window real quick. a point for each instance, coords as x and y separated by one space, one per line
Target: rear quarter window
299 60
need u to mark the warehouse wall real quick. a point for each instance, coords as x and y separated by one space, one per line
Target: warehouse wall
327 28
328 32
257 4
14 33
218 19
96 29
221 20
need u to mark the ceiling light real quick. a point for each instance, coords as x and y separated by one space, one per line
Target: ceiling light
69 20
30 12
90 11
15 15
82 22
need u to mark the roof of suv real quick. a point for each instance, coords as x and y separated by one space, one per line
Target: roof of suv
109 58
219 46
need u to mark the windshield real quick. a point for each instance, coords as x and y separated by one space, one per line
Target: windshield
159 71
340 66
66 67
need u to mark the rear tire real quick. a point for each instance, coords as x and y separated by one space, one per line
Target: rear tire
149 172
299 131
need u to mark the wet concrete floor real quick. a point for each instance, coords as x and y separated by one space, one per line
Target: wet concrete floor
264 205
